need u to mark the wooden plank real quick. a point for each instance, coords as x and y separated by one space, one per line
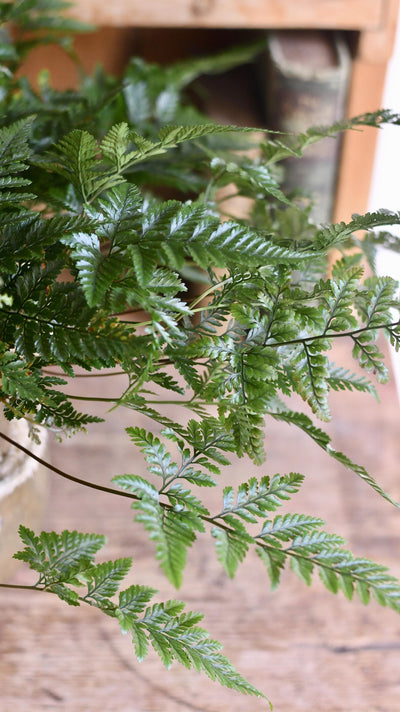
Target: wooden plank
358 147
338 14
377 45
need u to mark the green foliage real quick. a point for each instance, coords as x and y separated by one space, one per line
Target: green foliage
65 563
93 268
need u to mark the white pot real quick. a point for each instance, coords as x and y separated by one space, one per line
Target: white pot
23 490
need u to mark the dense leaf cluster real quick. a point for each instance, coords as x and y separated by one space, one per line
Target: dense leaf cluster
93 269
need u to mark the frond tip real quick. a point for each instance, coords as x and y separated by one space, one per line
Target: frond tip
298 539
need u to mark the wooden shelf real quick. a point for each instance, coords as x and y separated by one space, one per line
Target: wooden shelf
338 14
373 20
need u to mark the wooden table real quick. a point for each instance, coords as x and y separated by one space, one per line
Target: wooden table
374 20
305 648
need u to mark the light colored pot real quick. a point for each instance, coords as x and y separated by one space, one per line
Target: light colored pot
23 490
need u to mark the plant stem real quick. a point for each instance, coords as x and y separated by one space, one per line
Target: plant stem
339 335
20 586
94 399
83 375
66 476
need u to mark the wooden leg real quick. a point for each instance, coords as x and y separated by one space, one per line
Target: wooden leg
358 149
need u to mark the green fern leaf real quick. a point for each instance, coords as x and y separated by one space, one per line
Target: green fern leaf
337 298
341 379
337 234
274 560
170 136
245 427
114 145
140 405
183 499
324 441
369 356
64 593
289 526
171 533
158 458
67 559
337 568
231 548
175 636
76 158
250 179
375 301
97 271
309 368
103 579
58 557
136 485
132 601
14 147
255 497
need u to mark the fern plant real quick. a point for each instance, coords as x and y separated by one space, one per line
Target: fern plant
87 244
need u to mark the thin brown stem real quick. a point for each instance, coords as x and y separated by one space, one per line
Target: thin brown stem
94 399
83 375
338 335
66 475
20 586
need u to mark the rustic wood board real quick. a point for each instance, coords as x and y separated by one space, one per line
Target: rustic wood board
305 648
337 14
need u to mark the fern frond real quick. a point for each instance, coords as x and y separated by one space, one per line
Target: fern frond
295 145
158 458
171 533
29 237
289 526
245 427
375 302
51 320
322 439
309 370
240 244
137 485
337 568
14 148
341 379
171 136
255 497
174 635
250 179
67 560
183 499
369 355
337 297
103 580
336 234
97 272
393 333
115 144
231 547
58 557
75 157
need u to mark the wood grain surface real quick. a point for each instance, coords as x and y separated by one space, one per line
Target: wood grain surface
306 649
339 14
